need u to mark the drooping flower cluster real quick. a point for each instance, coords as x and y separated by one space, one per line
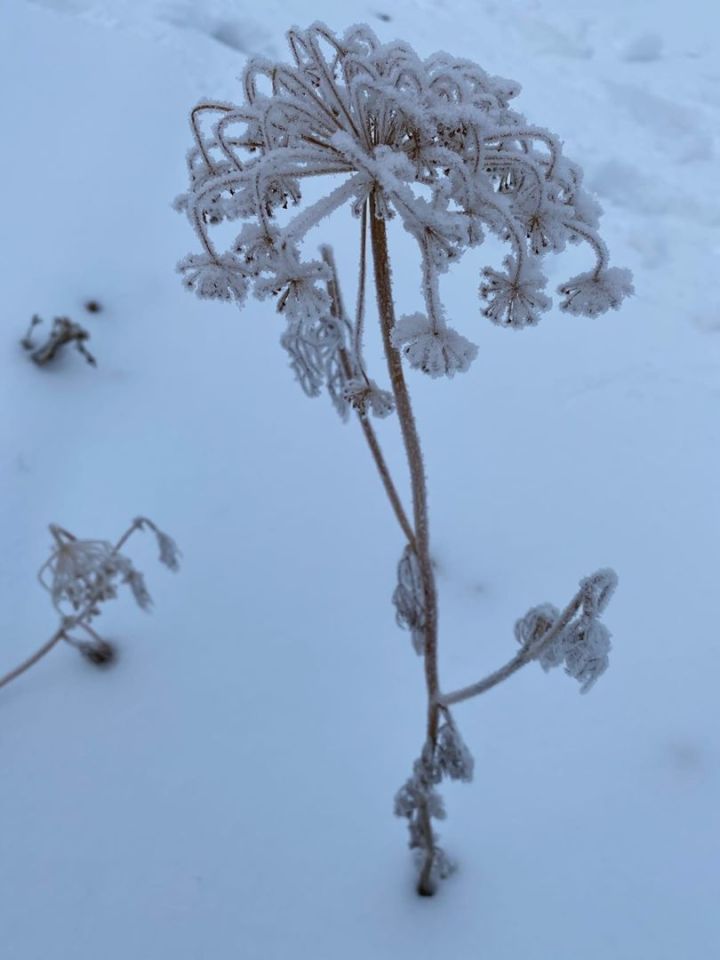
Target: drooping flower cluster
85 573
431 141
584 644
365 396
80 575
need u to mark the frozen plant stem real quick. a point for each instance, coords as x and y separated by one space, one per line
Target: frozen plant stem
413 451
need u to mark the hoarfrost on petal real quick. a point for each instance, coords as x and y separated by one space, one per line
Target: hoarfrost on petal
220 279
586 647
451 752
531 628
438 351
583 645
514 297
366 397
598 589
589 294
409 598
136 582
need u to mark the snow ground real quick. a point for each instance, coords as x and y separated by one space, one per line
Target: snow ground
225 791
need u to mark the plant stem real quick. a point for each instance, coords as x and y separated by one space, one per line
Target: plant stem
413 451
526 655
382 467
367 428
26 664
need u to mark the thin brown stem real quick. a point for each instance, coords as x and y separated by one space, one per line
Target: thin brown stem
38 655
367 428
200 108
360 307
387 481
411 440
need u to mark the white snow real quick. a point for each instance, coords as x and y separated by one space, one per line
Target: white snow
226 789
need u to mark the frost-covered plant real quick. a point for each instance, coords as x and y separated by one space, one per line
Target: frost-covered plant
81 575
435 144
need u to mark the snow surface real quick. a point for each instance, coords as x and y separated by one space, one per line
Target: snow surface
226 789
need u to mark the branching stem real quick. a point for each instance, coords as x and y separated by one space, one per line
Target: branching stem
367 428
411 440
526 655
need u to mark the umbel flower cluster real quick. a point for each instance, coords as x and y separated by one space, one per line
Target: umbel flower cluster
434 144
437 144
80 575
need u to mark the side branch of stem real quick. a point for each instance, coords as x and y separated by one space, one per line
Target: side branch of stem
526 655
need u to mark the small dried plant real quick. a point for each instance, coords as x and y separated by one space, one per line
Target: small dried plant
81 575
434 143
64 331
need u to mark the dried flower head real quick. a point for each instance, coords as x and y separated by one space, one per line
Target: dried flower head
80 575
595 292
433 141
85 573
437 351
366 397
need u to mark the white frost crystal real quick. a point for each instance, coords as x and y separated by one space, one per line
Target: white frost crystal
438 351
594 293
583 644
409 599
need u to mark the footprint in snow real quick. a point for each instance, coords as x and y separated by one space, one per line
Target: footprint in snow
219 22
678 131
644 48
627 186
